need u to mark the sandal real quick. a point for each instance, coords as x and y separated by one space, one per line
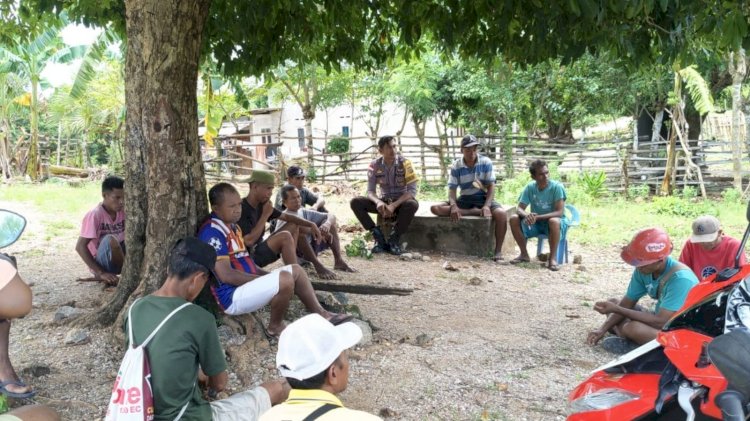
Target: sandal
25 395
553 268
339 318
518 260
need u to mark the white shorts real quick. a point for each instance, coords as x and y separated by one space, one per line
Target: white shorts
243 406
256 293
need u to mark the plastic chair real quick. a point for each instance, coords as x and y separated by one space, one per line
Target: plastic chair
574 219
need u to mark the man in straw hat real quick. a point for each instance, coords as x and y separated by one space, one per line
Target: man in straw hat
657 274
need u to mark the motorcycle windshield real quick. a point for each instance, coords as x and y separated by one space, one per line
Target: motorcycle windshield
705 317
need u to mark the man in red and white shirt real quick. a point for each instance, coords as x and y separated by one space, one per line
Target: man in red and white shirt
708 250
101 243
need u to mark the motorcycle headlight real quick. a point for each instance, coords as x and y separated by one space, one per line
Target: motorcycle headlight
601 399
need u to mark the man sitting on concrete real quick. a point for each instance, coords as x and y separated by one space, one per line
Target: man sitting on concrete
475 176
101 244
240 286
398 191
313 357
326 222
187 350
656 274
547 216
708 250
295 176
257 210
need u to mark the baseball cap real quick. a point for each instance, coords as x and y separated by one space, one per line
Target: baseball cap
261 176
295 171
197 251
469 141
311 344
705 229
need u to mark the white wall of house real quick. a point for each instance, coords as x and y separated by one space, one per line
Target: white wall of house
335 121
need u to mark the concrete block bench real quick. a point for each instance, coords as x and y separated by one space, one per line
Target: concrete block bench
471 235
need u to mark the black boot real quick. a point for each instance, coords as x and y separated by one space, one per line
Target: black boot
394 244
380 245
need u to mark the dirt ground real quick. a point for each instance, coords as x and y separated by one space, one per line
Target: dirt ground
507 345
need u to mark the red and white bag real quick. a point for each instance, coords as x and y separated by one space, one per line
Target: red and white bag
132 397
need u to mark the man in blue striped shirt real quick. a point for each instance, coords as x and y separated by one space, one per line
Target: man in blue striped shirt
474 175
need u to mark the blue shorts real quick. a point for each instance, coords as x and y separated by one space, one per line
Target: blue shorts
104 254
542 228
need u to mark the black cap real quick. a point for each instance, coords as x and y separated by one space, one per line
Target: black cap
295 171
469 141
197 251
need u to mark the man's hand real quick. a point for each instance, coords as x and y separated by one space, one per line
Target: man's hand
605 307
455 213
391 210
530 219
109 278
595 336
267 210
317 235
326 228
486 211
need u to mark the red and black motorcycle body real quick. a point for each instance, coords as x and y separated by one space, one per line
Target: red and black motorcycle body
647 380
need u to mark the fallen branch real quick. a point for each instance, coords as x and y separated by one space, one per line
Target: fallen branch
360 289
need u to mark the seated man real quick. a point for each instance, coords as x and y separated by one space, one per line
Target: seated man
398 191
314 359
187 349
474 175
240 286
656 274
295 176
101 244
256 211
708 250
31 413
547 216
326 222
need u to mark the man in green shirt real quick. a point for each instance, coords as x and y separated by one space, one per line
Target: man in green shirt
188 346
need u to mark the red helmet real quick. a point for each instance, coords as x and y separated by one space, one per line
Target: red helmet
647 246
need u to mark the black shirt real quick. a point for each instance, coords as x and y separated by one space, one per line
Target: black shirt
251 215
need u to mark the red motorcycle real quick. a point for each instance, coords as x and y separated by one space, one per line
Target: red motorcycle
672 377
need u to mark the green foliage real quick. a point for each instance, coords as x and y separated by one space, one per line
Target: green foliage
639 190
732 195
594 183
432 191
338 145
698 89
358 248
312 175
677 206
689 193
4 406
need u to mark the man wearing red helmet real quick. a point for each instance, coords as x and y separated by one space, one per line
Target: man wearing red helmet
657 274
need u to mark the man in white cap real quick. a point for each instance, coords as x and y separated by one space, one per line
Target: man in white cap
313 357
708 250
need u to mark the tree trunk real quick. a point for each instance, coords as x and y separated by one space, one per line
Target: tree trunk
442 148
59 139
738 70
32 162
419 127
165 190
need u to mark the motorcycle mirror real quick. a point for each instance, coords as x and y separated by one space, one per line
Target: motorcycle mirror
11 227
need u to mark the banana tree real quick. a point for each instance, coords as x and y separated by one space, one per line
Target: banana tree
29 60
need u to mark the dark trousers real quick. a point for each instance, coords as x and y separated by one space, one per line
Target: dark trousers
363 207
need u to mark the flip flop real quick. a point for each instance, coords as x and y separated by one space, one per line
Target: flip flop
553 268
14 395
340 318
518 260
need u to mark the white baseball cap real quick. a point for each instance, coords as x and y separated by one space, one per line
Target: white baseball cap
311 344
705 229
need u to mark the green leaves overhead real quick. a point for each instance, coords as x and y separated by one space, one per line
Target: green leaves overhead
698 90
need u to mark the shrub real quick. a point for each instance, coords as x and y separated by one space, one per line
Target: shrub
731 195
640 190
594 183
689 192
312 175
358 248
672 205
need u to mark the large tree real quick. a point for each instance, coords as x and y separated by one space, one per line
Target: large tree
165 185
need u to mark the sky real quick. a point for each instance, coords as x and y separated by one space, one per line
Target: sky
60 74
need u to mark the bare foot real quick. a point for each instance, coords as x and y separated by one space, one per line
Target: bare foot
344 267
324 273
519 259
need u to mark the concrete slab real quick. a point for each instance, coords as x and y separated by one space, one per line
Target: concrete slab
471 235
